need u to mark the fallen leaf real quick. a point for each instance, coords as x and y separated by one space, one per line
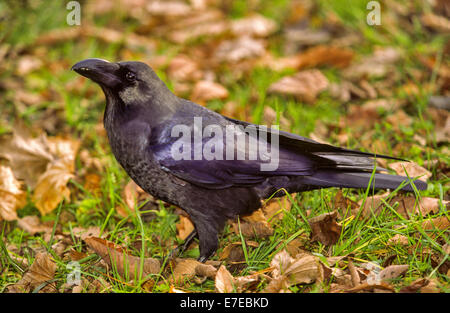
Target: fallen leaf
184 227
84 233
325 229
127 266
183 68
398 240
224 280
325 55
207 90
12 196
393 271
412 169
376 65
239 49
287 271
32 225
254 25
441 223
205 270
184 270
51 188
436 22
415 286
41 271
305 85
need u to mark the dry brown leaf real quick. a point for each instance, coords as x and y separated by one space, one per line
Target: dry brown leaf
287 271
260 229
207 90
184 227
42 270
325 229
206 270
441 223
415 286
383 286
51 188
325 55
436 22
254 25
270 118
224 280
183 68
184 269
376 65
168 8
32 225
305 85
127 266
12 196
84 233
45 164
275 207
240 49
392 271
412 169
345 206
205 23
398 240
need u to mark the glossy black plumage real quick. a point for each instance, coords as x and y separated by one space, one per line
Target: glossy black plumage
139 116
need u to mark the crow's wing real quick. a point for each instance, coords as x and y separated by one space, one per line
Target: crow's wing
297 156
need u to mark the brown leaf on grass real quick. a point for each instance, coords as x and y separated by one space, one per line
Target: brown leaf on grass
270 118
183 68
41 271
410 168
409 205
275 207
51 187
240 49
84 233
184 227
398 240
12 196
287 271
325 229
107 35
206 23
168 8
207 90
383 286
376 65
393 271
436 22
46 164
325 55
344 205
224 280
253 25
127 266
32 225
415 286
185 269
134 197
205 270
372 205
305 85
254 225
441 223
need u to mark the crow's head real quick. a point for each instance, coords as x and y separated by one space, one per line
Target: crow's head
132 82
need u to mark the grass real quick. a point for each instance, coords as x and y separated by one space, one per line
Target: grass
366 240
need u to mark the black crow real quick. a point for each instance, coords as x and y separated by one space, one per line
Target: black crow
212 166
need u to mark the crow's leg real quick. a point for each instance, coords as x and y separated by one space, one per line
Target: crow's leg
181 248
208 242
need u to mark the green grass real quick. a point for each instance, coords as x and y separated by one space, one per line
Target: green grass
366 240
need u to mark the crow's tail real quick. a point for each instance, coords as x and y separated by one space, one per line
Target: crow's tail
328 178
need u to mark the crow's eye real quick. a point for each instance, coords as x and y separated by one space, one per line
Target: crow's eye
130 76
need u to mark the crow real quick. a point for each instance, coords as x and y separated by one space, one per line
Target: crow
214 167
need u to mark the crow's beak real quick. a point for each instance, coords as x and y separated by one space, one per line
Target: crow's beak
100 71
